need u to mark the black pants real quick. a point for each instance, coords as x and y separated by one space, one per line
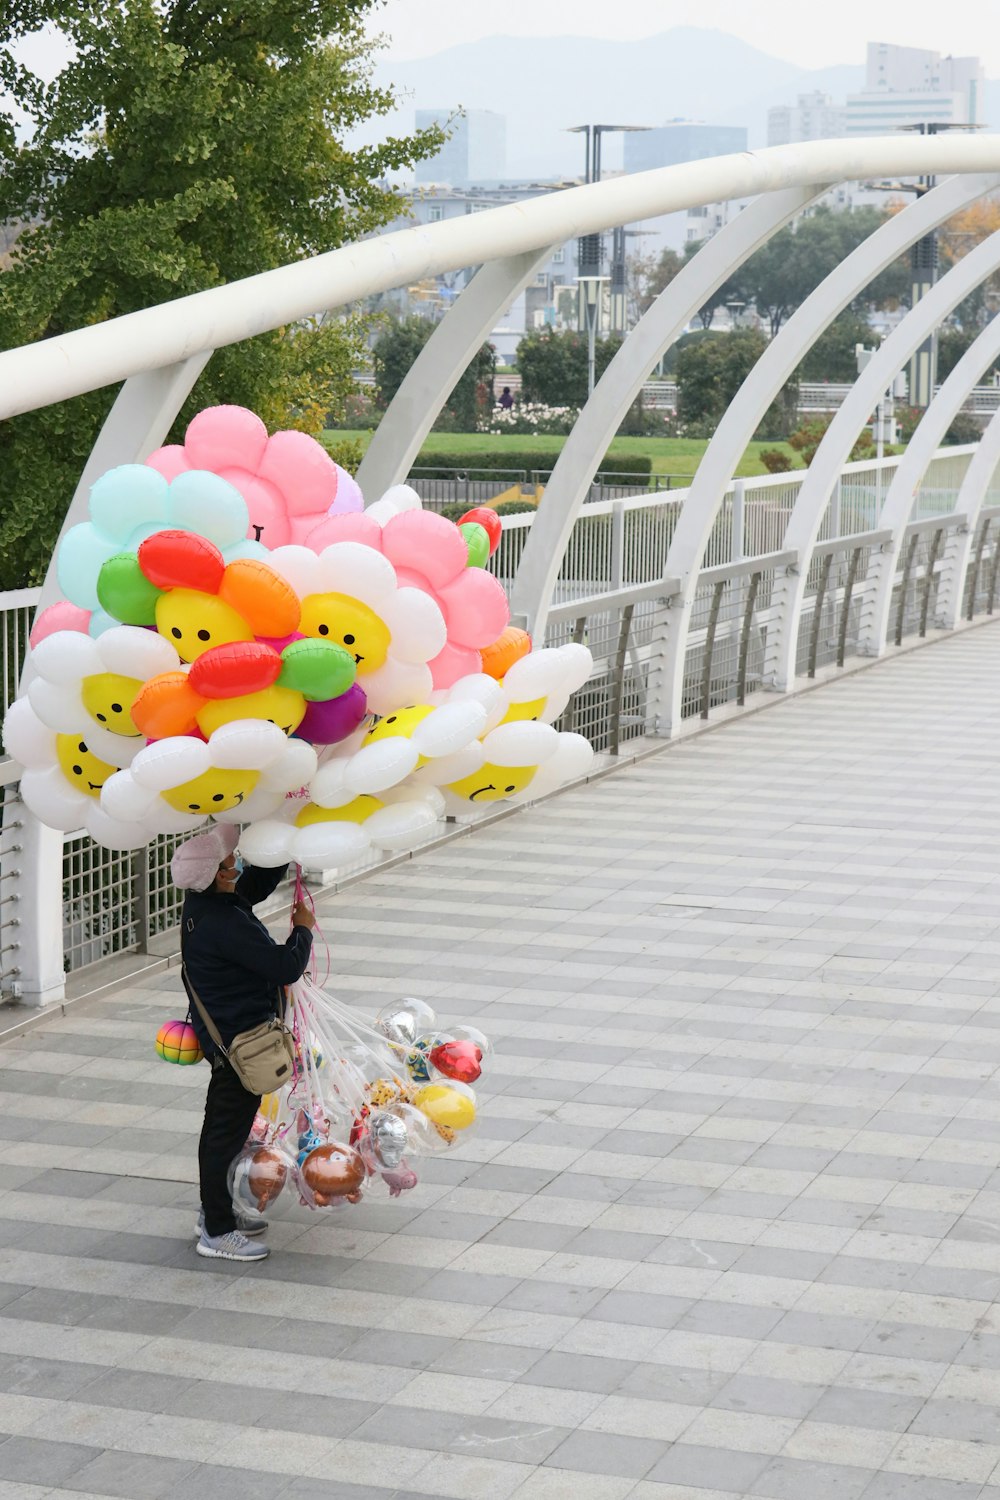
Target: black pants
229 1115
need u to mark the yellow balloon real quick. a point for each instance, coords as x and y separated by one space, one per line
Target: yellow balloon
213 791
352 812
108 698
528 710
194 622
279 705
490 782
81 766
446 1106
348 623
400 724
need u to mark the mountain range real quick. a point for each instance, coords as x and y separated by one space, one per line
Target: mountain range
542 85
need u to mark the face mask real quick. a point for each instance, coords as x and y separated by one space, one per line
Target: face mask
239 866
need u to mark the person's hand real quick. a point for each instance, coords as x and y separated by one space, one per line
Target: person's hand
302 916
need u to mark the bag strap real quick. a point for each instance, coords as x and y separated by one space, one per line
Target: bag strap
210 1025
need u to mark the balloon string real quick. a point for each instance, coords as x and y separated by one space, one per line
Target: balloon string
303 893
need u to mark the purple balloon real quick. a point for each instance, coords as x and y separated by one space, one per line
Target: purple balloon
331 721
349 497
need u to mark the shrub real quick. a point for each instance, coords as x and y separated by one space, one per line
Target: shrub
775 460
964 429
807 438
444 464
347 452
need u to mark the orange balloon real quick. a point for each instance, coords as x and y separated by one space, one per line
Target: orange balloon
167 705
333 1171
269 605
510 645
266 1177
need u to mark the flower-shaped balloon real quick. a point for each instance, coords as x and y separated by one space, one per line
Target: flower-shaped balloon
433 737
242 772
351 597
131 503
429 553
540 685
88 687
289 481
519 762
63 780
323 838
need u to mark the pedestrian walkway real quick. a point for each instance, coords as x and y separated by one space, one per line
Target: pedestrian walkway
730 1225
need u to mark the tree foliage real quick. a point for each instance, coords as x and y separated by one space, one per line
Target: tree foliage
733 290
553 366
795 260
710 373
185 145
807 438
833 357
395 351
648 276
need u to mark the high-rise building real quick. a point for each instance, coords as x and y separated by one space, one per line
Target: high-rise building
679 141
476 151
909 86
813 117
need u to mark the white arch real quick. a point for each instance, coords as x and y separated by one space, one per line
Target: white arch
621 382
760 388
813 497
88 358
441 362
898 506
958 548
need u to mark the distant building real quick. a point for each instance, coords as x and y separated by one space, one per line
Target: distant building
476 151
680 141
549 298
910 86
813 117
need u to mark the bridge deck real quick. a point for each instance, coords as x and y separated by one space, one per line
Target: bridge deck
730 1225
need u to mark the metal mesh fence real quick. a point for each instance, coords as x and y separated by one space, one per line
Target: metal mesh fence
837 590
727 641
98 902
914 595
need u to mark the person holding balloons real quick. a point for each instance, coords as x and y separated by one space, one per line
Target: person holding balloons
236 969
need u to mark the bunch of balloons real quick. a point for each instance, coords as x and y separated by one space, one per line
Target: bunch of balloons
241 640
365 1100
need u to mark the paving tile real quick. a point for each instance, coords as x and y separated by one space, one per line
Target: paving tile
131 1475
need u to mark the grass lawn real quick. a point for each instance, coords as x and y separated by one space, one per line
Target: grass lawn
670 455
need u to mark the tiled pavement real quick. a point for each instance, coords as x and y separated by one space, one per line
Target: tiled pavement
731 1222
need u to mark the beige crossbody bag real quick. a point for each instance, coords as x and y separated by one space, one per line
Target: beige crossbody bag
263 1058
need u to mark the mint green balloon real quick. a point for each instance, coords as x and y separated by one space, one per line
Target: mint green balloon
317 669
125 592
477 542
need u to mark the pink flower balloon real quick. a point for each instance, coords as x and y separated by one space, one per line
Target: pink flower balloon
429 553
59 616
290 483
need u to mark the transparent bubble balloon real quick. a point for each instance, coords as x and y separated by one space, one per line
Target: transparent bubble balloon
385 1141
258 1176
423 1136
404 1022
330 1175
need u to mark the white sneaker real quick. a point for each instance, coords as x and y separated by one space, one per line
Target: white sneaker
231 1246
252 1228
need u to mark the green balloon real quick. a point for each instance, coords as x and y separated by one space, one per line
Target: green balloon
477 541
317 669
125 592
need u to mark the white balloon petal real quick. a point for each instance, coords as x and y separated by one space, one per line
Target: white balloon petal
26 738
397 684
298 566
417 625
61 708
171 762
66 656
521 743
246 745
449 728
136 653
380 765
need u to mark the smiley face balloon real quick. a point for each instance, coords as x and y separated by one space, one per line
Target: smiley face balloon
80 766
194 622
108 698
492 782
215 791
348 623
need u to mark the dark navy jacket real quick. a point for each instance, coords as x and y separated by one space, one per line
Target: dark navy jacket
233 961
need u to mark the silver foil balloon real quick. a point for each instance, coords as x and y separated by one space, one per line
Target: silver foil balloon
388 1139
403 1023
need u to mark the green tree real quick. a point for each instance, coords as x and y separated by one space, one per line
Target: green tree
649 275
795 260
395 351
710 373
832 357
186 144
734 289
553 366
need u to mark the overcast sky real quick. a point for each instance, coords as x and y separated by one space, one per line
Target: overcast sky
810 35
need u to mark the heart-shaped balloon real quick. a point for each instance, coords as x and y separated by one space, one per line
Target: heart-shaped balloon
458 1059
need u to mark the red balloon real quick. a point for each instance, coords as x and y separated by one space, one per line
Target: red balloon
181 560
236 668
461 1060
488 520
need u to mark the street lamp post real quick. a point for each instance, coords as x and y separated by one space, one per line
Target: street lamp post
590 254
